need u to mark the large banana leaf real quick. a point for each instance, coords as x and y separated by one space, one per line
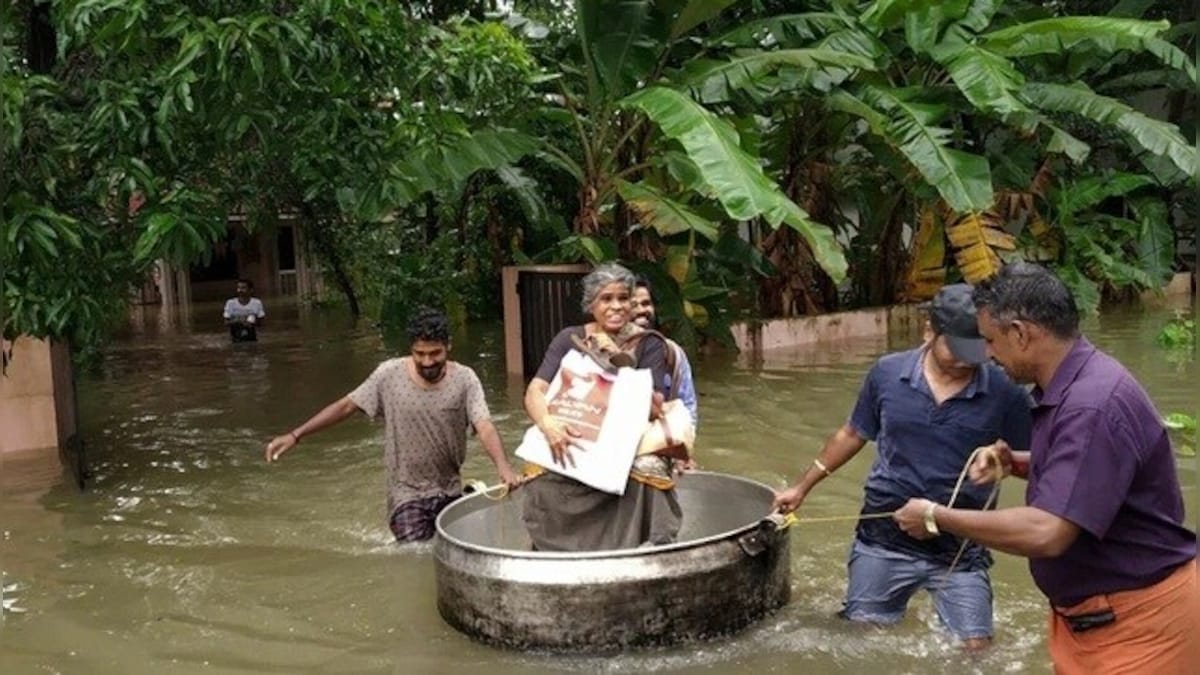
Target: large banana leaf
1173 57
1154 136
1091 190
696 12
926 271
979 14
735 177
1156 240
783 30
665 215
1147 79
988 80
1064 143
975 238
886 14
438 167
1055 36
923 24
963 179
715 81
616 49
529 197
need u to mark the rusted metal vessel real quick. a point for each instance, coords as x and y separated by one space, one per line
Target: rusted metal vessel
729 568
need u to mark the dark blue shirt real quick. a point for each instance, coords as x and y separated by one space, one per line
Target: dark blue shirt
922 446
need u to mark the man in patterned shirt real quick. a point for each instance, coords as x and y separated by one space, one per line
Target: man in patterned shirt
427 403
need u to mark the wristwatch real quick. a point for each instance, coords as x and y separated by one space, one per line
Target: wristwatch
931 522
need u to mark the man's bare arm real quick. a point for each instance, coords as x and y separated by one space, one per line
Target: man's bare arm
330 415
494 447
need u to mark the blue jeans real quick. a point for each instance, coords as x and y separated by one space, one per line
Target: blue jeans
882 581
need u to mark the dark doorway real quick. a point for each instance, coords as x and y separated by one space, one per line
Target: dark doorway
223 265
549 303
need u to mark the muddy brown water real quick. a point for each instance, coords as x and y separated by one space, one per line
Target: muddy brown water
188 554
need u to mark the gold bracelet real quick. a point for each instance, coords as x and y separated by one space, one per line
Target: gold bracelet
931 525
821 465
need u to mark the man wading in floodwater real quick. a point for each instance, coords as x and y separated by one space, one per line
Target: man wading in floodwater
1103 526
244 313
427 403
927 410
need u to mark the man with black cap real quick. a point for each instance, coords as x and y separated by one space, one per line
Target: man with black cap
927 410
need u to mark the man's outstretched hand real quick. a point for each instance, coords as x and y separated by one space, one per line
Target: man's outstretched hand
278 446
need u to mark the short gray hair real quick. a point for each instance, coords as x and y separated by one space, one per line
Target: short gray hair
601 276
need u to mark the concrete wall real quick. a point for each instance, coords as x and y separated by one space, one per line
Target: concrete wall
872 322
37 397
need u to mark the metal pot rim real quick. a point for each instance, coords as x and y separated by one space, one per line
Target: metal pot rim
594 555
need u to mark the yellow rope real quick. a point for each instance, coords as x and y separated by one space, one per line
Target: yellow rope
479 487
791 518
986 451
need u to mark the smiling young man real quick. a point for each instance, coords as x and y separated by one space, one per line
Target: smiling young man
427 403
1103 525
681 382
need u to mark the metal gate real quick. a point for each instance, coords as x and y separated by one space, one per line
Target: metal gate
549 303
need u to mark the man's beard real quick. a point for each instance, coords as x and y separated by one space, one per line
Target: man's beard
432 373
644 321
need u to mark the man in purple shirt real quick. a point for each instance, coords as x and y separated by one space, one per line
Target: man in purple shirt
1103 526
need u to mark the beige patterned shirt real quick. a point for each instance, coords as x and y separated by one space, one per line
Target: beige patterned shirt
425 426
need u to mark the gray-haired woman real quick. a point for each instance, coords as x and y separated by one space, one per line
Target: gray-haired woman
563 514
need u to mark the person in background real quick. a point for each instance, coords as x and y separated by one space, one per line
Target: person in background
427 403
679 380
244 313
1103 522
927 409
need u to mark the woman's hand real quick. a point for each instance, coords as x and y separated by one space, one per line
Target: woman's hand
657 401
558 436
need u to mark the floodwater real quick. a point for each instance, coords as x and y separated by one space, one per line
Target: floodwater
188 554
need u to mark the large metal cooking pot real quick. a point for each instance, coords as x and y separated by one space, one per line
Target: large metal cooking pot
729 568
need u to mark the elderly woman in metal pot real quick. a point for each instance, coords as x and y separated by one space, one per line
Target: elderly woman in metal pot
561 513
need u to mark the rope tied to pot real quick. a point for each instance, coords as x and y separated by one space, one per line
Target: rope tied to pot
990 455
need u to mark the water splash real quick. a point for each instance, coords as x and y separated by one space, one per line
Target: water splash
8 603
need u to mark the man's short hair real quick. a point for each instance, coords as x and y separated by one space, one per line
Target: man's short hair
1027 292
248 283
429 325
642 282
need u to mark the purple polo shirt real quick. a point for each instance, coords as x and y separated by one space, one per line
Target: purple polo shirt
1101 458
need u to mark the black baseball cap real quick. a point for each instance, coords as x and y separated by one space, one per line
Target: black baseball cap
952 314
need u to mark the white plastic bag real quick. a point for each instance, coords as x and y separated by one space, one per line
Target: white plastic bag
610 412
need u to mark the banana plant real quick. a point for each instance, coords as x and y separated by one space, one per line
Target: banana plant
658 170
948 73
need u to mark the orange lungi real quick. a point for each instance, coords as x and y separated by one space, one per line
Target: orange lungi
1156 631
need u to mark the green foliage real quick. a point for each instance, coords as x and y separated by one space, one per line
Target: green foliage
422 147
1184 427
1118 238
158 119
1179 334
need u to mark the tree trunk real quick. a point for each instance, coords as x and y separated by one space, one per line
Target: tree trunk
326 248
